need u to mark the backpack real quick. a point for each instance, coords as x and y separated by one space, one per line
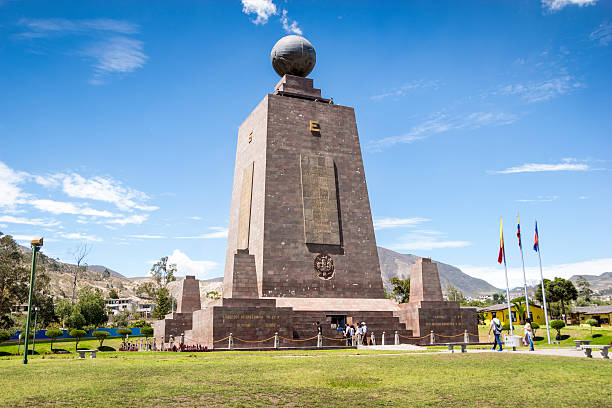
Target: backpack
497 328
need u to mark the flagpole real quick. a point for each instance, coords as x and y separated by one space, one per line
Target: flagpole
543 290
503 248
523 262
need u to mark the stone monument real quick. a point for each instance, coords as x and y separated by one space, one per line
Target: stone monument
301 247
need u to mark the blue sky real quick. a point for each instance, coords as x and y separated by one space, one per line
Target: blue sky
118 124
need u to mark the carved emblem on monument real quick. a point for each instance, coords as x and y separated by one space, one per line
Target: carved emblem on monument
324 264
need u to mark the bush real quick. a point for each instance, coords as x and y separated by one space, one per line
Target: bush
506 326
100 335
124 332
22 335
140 323
557 325
535 327
146 331
4 336
77 334
53 333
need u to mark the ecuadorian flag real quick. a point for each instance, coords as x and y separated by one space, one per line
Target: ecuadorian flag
501 257
536 244
518 231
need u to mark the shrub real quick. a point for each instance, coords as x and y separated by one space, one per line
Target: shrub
140 323
100 335
557 325
4 336
77 334
124 333
506 326
22 335
592 322
53 333
535 327
146 331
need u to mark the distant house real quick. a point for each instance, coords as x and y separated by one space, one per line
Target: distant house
603 315
132 304
501 312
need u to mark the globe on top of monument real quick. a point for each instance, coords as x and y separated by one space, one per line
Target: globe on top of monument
293 55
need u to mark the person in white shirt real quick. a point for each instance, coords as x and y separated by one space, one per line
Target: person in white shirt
496 326
364 329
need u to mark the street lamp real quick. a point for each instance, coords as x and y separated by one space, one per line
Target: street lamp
36 310
36 244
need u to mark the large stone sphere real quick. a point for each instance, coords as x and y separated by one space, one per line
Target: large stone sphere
293 55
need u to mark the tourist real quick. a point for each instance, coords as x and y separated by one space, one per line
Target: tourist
349 333
364 329
496 326
529 334
319 328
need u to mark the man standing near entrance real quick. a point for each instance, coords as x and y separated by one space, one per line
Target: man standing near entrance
496 326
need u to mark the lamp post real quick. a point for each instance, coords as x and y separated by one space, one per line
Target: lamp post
36 310
36 244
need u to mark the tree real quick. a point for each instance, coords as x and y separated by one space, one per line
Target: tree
76 320
146 331
106 274
562 290
122 319
146 290
100 335
63 309
521 309
454 294
113 294
535 327
92 306
4 336
124 333
140 323
557 325
53 334
163 304
592 322
79 254
499 298
163 273
401 289
213 294
584 288
77 334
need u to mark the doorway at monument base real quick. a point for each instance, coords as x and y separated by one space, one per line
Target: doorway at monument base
447 320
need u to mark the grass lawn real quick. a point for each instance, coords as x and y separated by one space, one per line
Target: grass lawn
305 379
601 335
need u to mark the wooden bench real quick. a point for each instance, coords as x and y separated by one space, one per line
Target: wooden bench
588 349
581 343
82 353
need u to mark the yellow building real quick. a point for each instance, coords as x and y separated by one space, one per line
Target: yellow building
603 315
501 312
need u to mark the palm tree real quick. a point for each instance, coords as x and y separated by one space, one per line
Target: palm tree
521 310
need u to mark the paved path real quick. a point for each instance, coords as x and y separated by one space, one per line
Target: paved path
562 352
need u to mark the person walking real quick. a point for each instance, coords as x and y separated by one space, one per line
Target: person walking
529 334
364 329
496 326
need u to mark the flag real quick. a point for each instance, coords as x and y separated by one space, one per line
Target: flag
536 243
501 257
518 231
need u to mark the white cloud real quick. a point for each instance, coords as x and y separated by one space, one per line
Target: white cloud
583 198
565 165
98 188
218 232
539 199
132 219
10 193
262 8
542 91
441 123
62 207
556 5
602 34
80 236
386 223
26 221
145 236
187 266
107 42
291 28
426 240
117 55
495 274
195 218
404 89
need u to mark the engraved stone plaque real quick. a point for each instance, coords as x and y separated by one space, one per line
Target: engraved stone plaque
244 219
319 200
